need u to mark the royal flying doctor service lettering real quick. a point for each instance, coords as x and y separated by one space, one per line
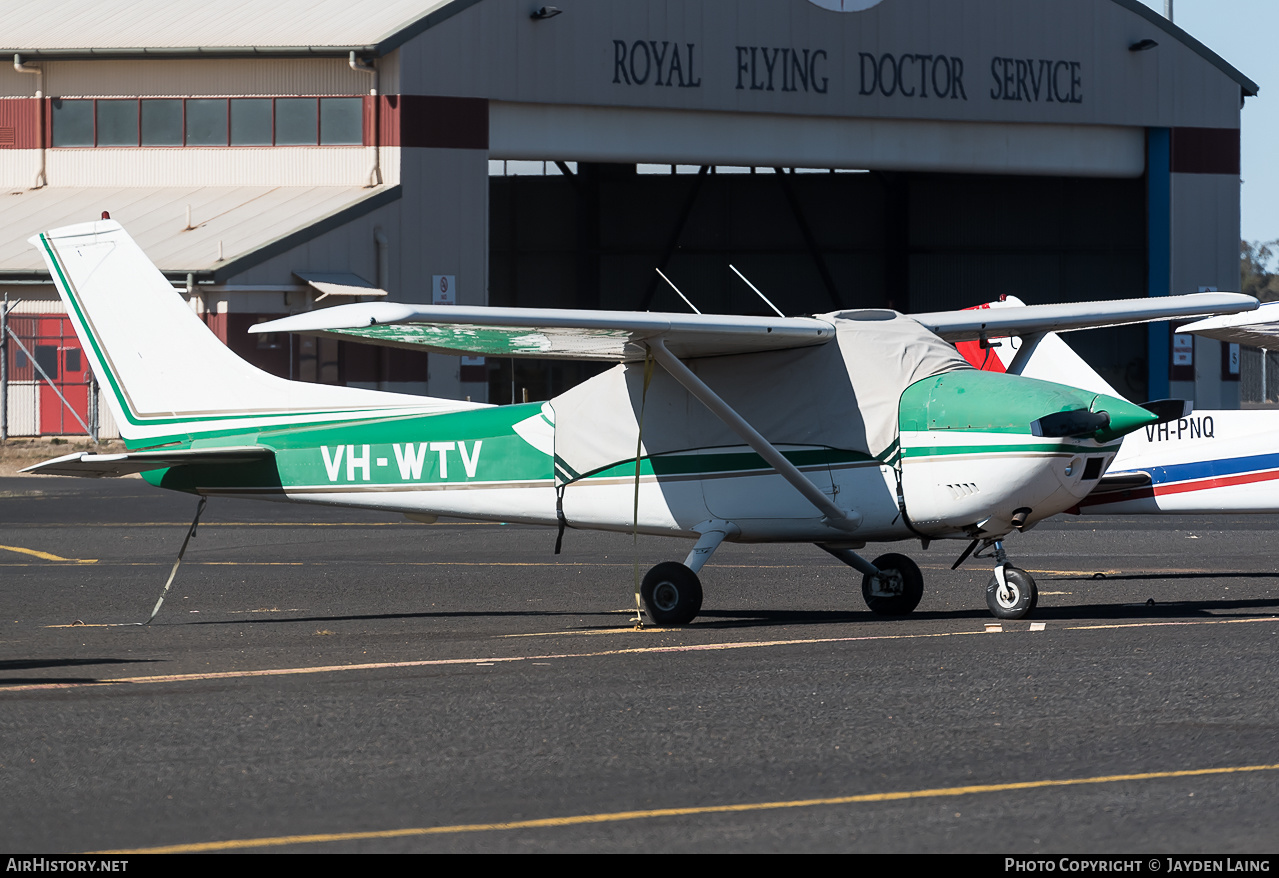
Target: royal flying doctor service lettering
661 63
806 69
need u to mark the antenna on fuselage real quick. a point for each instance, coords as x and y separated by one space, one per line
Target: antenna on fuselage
677 292
757 292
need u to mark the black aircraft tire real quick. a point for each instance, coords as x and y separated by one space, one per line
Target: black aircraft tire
1021 596
672 594
907 579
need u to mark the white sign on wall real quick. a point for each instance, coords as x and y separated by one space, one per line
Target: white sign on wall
1183 350
444 289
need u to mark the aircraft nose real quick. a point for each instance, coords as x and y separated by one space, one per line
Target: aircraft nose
1123 417
1105 419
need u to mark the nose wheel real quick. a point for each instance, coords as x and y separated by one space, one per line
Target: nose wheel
1013 598
1011 592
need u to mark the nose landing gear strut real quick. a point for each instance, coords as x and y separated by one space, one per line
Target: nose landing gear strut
1011 592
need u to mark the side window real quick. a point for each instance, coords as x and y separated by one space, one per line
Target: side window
251 121
117 123
47 359
162 123
295 122
72 123
206 122
341 121
289 121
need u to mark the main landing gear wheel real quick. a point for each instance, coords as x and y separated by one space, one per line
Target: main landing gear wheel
900 587
1017 597
672 594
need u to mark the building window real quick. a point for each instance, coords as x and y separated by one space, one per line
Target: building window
341 121
72 123
209 122
295 121
251 122
162 123
117 123
206 123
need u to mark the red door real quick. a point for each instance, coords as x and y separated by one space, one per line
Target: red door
58 353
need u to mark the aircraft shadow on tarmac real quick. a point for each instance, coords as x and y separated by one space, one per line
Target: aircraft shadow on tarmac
730 618
12 665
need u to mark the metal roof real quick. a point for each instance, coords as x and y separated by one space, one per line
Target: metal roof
232 228
69 28
123 28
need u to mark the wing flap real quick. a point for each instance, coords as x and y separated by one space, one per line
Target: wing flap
553 333
105 466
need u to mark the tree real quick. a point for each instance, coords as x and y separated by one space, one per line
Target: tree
1255 275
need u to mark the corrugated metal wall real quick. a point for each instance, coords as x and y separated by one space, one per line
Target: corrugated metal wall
195 77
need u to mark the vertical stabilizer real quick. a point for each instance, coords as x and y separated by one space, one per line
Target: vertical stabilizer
1051 359
166 376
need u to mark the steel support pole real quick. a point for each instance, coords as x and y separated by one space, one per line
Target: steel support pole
4 370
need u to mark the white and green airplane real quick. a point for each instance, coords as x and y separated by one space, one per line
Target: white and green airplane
837 430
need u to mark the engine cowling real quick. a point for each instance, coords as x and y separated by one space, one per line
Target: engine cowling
983 453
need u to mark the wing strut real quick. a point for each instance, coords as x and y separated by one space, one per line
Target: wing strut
835 516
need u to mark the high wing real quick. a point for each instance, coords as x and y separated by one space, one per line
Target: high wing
552 333
1259 328
967 325
102 466
621 336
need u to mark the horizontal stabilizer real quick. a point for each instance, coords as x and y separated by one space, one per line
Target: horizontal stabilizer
553 333
105 466
967 325
1259 328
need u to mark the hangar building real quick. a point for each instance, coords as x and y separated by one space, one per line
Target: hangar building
919 154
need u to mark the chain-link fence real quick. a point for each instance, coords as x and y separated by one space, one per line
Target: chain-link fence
1258 376
46 387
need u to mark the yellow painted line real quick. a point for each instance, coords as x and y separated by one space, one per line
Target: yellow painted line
46 556
1170 624
655 813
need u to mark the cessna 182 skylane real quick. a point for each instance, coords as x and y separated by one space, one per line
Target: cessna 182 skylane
837 430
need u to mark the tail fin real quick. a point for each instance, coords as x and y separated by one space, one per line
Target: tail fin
167 377
1051 359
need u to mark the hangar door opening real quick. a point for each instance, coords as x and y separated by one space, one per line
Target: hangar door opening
590 235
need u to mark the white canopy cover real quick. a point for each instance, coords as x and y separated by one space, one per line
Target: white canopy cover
842 395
